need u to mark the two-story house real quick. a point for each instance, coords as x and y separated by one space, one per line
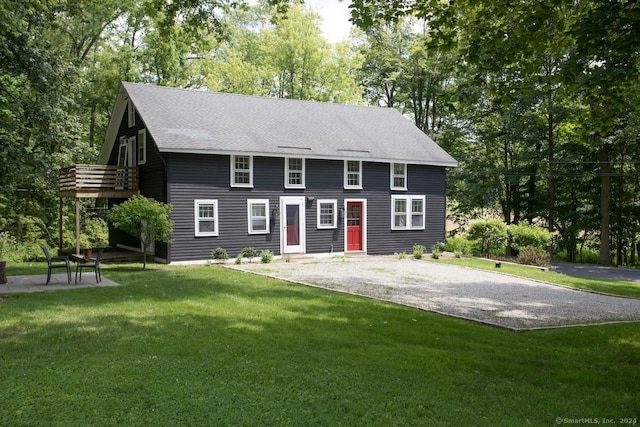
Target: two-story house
293 177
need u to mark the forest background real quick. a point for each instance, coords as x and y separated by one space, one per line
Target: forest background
537 100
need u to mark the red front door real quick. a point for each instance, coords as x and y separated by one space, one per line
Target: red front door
354 226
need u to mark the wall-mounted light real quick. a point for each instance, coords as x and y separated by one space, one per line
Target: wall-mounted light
275 211
341 212
310 199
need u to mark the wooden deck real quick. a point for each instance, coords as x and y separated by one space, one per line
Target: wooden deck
115 255
93 181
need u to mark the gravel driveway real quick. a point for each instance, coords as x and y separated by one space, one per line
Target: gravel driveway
483 296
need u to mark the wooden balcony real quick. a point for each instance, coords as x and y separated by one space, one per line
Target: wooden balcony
94 181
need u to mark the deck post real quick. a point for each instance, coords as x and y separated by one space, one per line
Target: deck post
77 225
60 223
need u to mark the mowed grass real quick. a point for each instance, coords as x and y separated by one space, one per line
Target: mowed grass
615 287
211 346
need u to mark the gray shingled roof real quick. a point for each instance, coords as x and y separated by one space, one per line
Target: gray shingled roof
181 120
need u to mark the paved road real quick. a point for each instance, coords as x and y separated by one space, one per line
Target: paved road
484 296
597 272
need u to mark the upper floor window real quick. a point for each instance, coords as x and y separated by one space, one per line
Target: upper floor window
294 172
131 114
353 174
327 213
206 217
142 146
407 212
398 176
241 171
258 216
126 151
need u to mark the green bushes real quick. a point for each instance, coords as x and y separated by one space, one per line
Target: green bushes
220 255
524 235
459 245
530 255
266 256
7 242
490 235
418 251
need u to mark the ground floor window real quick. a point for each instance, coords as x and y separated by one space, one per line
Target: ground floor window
407 212
327 213
206 217
258 216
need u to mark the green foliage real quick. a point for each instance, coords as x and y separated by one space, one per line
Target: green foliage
7 243
266 256
145 219
96 233
283 55
533 255
29 251
490 235
249 253
435 254
239 259
585 255
219 254
418 251
523 235
459 244
402 255
439 246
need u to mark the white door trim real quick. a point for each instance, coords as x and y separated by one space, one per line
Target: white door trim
299 201
364 222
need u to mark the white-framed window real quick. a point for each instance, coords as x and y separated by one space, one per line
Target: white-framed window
242 171
131 114
294 168
206 217
327 213
123 151
353 174
407 212
398 176
258 216
142 146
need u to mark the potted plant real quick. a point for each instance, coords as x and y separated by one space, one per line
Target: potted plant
6 242
96 235
85 245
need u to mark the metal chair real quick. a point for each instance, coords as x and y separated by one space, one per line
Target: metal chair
56 262
90 263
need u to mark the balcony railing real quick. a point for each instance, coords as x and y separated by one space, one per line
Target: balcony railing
94 181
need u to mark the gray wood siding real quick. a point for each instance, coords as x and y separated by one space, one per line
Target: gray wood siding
324 180
192 177
421 180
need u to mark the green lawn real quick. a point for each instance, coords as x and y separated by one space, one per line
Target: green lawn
210 346
615 287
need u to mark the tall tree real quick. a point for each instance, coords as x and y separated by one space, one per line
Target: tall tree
578 59
282 54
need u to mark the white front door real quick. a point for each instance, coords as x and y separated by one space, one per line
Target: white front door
292 227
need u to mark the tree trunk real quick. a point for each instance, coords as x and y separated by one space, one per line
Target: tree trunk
605 197
3 272
551 180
